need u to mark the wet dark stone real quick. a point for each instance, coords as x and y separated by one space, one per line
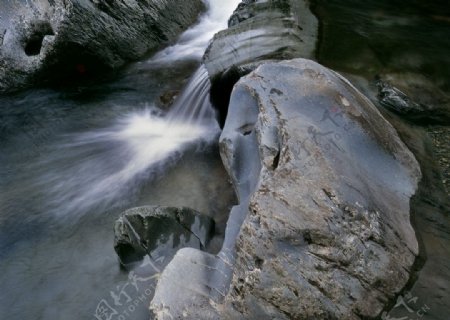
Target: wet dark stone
401 103
168 98
159 231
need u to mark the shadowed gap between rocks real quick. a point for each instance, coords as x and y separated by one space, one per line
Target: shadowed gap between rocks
33 42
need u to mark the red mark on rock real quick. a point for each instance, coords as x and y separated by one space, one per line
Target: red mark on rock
81 69
335 109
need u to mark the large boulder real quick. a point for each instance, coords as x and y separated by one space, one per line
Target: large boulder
47 39
259 31
159 231
322 229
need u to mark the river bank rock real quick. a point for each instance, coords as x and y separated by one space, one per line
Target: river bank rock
159 231
322 229
258 31
47 39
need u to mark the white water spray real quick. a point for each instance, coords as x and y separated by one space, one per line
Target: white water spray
116 159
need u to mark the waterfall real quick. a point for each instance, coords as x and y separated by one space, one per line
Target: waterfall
193 105
193 42
105 166
72 159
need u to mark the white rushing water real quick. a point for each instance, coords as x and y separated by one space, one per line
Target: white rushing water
116 159
73 160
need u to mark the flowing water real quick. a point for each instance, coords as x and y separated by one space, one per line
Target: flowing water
71 160
193 42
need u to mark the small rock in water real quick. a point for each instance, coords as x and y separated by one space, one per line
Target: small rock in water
159 231
415 104
168 98
395 100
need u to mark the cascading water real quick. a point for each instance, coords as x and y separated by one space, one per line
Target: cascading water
193 42
193 106
139 143
70 162
144 139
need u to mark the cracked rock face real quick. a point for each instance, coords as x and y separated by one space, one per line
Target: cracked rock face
322 229
47 39
159 231
328 234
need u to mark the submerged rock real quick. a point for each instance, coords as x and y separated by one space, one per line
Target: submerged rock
47 39
322 229
423 104
159 231
259 30
394 99
168 98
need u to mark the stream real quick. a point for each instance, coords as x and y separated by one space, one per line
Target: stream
73 159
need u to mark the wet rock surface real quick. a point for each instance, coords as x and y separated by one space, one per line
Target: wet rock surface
159 231
440 136
263 30
322 229
426 296
258 31
46 39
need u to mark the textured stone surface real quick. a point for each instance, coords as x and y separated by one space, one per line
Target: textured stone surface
259 31
161 231
324 185
67 38
430 205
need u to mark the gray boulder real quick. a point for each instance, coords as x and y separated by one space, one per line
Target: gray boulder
48 39
322 229
159 231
